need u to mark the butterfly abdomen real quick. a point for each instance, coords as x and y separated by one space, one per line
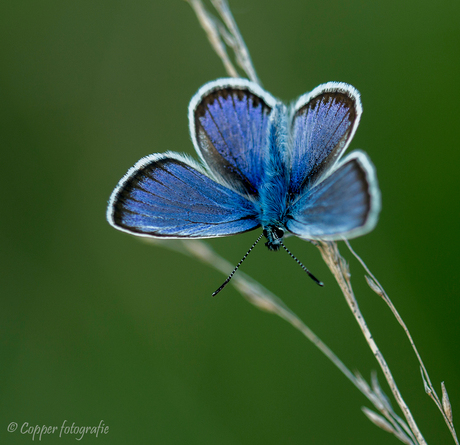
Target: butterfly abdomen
274 190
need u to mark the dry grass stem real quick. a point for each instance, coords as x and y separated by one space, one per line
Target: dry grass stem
223 34
339 268
239 47
212 29
266 301
428 386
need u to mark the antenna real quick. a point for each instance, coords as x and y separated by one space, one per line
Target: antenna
237 266
320 283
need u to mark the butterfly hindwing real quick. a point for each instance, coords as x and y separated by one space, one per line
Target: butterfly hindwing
322 126
229 121
169 195
345 204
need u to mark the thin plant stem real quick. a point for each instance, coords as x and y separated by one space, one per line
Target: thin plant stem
375 285
241 51
227 33
266 301
326 253
339 269
208 23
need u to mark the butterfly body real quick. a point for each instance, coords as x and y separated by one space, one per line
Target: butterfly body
274 199
262 165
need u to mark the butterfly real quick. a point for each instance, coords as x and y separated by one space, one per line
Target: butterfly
263 164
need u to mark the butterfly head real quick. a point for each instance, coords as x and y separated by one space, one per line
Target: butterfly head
274 235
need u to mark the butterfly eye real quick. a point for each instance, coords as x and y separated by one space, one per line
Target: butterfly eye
278 232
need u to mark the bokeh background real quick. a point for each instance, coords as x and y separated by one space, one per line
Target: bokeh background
98 325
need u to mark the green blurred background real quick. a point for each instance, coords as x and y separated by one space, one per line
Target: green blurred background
98 325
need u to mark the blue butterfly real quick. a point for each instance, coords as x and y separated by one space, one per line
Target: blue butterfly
262 165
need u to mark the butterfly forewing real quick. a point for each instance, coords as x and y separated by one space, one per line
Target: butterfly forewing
168 196
229 122
323 123
345 204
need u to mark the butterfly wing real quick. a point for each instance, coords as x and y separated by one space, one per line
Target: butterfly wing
323 123
229 120
345 204
168 195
